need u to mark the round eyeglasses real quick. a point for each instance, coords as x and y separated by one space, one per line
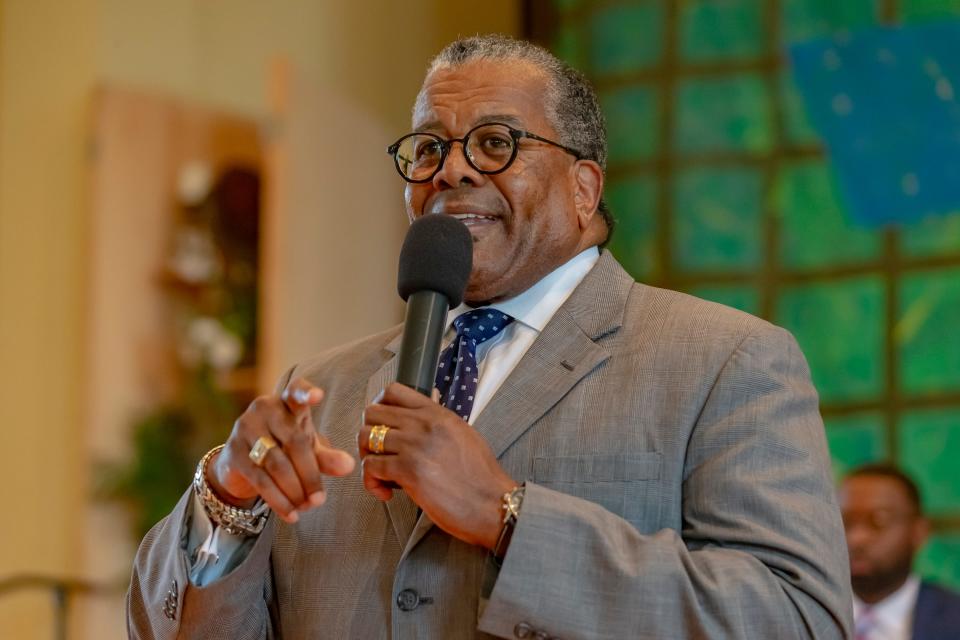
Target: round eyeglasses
489 148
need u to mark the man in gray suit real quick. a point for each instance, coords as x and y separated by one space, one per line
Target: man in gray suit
609 460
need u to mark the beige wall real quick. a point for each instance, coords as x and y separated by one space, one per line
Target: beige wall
46 53
219 51
367 55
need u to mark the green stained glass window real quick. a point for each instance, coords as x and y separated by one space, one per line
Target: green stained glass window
626 37
798 130
928 331
735 201
855 440
633 203
568 45
567 5
839 325
934 235
939 560
720 29
717 218
724 114
808 19
631 115
816 231
740 297
924 9
929 440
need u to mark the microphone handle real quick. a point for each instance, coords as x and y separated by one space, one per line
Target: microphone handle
422 334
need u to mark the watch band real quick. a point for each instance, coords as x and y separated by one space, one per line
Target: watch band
233 520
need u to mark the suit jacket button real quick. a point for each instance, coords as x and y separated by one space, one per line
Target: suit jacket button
408 600
522 630
541 635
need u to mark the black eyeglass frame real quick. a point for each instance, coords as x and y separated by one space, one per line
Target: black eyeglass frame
446 145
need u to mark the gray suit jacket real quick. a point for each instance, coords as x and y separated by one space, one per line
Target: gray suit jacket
678 486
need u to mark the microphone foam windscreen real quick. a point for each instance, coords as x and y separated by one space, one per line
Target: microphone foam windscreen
437 255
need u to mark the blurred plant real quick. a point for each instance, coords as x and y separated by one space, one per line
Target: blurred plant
167 442
210 284
153 479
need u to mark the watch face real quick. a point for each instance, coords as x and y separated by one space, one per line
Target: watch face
515 500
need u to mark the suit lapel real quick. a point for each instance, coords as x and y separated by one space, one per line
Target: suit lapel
559 358
563 353
400 509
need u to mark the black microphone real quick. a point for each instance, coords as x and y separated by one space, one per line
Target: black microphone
435 264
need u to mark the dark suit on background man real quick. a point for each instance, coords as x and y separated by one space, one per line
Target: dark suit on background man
937 613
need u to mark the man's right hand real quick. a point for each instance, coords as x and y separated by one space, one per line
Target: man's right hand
290 478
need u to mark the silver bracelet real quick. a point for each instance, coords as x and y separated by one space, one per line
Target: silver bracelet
231 519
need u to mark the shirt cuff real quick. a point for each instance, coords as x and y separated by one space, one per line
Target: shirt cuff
214 552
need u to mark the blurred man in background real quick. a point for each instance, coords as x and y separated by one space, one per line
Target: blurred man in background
885 528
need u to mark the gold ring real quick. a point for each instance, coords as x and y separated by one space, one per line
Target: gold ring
261 448
378 434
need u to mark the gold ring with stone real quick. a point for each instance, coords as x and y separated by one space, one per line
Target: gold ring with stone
260 449
378 433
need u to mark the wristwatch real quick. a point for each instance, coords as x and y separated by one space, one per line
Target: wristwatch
233 520
510 503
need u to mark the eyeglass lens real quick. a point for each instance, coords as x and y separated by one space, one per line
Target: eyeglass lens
489 148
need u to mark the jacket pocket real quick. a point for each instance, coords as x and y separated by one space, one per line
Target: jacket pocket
627 484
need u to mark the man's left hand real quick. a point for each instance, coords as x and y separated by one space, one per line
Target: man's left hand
443 464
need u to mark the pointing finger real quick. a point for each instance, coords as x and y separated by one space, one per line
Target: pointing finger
301 394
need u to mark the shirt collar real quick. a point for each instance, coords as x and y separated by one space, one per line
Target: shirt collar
535 306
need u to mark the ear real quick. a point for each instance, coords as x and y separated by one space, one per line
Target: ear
588 187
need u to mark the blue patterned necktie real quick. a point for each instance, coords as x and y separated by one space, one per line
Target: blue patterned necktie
457 373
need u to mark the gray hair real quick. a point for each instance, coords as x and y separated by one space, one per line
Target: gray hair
573 109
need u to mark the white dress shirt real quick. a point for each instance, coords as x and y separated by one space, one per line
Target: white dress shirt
889 619
531 311
215 552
